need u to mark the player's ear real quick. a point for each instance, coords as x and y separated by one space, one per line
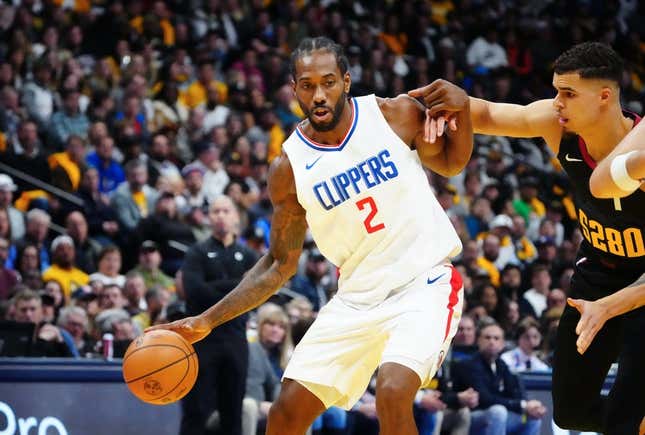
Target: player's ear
347 81
605 95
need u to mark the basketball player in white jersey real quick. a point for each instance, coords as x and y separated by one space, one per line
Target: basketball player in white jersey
353 172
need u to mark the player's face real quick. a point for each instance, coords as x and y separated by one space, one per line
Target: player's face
320 89
579 102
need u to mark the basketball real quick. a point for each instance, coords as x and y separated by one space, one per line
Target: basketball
160 367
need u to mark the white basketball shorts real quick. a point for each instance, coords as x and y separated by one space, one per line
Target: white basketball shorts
414 327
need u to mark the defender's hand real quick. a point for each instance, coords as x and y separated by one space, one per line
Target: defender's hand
592 318
192 329
441 98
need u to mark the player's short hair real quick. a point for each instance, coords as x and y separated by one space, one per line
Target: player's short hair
592 60
319 43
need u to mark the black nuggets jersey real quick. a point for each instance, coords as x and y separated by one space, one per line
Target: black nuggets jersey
612 228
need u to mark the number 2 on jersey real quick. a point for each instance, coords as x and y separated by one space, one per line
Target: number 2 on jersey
369 226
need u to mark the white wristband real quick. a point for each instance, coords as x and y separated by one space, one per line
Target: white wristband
619 175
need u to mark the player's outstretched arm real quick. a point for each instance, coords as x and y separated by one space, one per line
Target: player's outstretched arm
538 119
594 314
619 173
446 154
288 228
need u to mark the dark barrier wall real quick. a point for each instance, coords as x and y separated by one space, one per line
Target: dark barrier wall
88 397
75 397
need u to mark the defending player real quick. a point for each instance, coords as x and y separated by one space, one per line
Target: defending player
582 125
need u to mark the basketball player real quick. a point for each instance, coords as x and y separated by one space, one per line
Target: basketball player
352 171
582 125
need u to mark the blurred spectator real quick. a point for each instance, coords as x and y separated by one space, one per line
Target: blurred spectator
48 339
111 173
8 277
134 200
502 401
74 320
211 269
63 268
16 217
165 227
148 267
157 300
109 267
87 250
312 284
36 95
67 121
464 343
487 261
194 193
216 113
111 297
134 291
28 260
28 155
522 358
66 165
215 177
167 112
536 296
159 164
101 218
299 309
485 53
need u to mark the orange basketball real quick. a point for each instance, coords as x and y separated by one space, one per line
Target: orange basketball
160 367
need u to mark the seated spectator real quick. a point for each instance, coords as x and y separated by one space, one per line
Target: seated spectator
134 291
299 309
87 250
110 172
511 282
312 283
74 320
489 257
215 176
16 217
36 233
37 96
8 277
464 343
159 164
134 200
502 400
194 193
165 227
101 218
485 53
167 112
157 300
274 334
68 121
109 267
111 297
48 339
55 290
148 267
535 298
66 165
64 268
28 156
522 358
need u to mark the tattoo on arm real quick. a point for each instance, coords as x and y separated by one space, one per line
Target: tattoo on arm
288 228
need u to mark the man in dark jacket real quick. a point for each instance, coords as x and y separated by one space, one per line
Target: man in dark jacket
503 408
212 268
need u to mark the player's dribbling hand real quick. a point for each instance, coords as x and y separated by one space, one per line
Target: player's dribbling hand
192 329
592 318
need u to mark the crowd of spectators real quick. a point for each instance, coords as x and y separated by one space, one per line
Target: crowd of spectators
143 112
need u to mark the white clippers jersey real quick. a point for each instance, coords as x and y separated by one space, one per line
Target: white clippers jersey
369 206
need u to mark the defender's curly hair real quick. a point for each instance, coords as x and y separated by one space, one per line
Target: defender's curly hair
592 60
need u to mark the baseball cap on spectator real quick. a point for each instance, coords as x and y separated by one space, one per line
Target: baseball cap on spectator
192 167
64 239
6 183
148 246
544 241
501 220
